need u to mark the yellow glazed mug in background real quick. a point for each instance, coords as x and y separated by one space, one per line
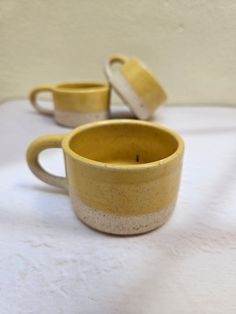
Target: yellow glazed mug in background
122 175
75 103
135 84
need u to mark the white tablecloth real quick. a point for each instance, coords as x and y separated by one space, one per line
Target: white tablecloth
50 262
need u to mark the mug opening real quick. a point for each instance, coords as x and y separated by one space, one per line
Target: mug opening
81 86
123 143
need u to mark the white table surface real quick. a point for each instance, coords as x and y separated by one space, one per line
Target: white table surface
50 262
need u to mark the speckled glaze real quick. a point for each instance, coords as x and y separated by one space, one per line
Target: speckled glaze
72 118
135 84
122 175
121 224
75 103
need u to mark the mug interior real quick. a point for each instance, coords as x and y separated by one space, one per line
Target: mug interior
124 143
80 86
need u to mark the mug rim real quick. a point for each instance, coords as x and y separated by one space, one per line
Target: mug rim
86 86
67 149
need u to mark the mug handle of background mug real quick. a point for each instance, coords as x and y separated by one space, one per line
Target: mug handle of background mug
33 98
114 59
32 156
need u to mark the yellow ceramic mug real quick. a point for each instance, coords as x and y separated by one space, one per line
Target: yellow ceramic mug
122 175
75 103
135 84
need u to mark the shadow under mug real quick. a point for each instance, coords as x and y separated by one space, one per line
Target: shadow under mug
122 175
75 103
135 84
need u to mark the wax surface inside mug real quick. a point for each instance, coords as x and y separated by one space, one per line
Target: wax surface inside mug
124 144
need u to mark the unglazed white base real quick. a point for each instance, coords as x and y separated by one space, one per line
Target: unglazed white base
121 225
74 119
123 88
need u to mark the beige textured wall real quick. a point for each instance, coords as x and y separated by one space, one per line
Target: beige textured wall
189 45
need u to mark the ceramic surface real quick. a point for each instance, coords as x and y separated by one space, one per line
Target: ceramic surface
75 103
122 175
135 84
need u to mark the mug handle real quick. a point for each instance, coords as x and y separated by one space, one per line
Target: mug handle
32 156
114 59
33 98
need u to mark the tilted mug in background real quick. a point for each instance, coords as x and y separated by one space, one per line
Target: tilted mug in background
135 84
122 175
75 103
